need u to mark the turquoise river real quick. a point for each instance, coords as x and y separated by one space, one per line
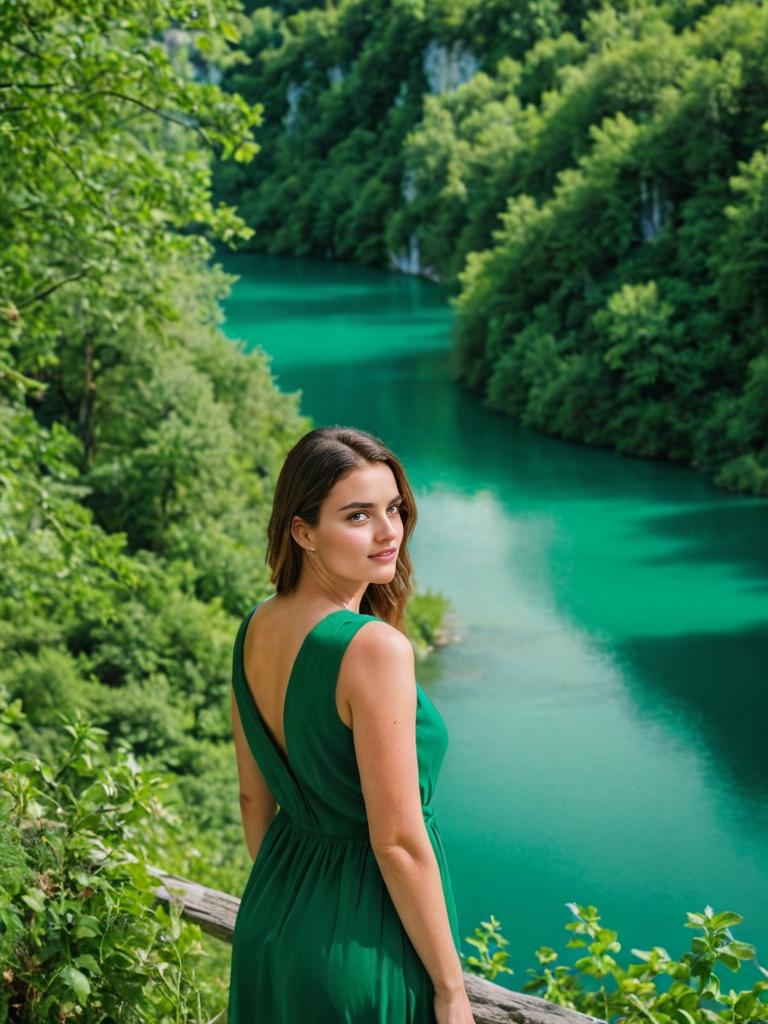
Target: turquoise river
606 694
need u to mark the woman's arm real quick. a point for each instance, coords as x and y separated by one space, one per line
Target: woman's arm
378 678
257 805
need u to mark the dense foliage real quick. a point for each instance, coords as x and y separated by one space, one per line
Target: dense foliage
593 177
81 933
138 445
138 452
597 984
342 85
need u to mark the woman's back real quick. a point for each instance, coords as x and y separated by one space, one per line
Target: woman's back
317 936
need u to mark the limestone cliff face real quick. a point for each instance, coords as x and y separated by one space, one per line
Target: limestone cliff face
448 67
293 96
364 77
445 69
655 209
408 261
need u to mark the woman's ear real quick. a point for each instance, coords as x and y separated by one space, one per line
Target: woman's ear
302 534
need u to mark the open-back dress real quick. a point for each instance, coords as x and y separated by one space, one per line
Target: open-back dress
317 937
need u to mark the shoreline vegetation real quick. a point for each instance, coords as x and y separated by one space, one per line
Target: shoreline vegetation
133 506
591 179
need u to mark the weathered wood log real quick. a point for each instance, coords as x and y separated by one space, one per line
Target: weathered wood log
215 912
494 1004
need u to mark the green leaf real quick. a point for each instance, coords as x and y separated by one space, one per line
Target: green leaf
712 988
745 1004
679 971
77 982
726 919
730 961
710 1016
245 152
35 899
87 928
743 950
230 31
88 962
545 955
683 1015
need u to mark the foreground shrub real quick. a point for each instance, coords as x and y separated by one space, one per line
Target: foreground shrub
81 935
631 994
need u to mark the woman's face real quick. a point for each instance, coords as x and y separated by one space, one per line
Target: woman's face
360 518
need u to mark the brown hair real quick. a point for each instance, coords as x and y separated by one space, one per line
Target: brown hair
309 472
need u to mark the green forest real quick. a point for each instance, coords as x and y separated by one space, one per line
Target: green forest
138 453
592 178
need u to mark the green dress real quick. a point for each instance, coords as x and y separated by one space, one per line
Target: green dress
317 937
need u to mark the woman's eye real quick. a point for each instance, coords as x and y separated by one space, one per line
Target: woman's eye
352 516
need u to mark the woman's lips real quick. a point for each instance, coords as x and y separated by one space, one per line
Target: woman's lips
385 556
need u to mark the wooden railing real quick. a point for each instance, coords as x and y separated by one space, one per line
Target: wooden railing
215 912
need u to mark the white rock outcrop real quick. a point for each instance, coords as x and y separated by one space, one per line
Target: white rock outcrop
409 261
293 96
654 209
446 68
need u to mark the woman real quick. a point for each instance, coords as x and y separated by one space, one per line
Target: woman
348 914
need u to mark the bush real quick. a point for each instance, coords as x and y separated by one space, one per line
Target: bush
81 935
630 994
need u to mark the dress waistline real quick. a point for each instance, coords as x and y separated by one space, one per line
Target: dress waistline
427 811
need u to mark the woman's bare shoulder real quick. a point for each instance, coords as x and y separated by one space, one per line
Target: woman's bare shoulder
377 677
379 659
378 639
